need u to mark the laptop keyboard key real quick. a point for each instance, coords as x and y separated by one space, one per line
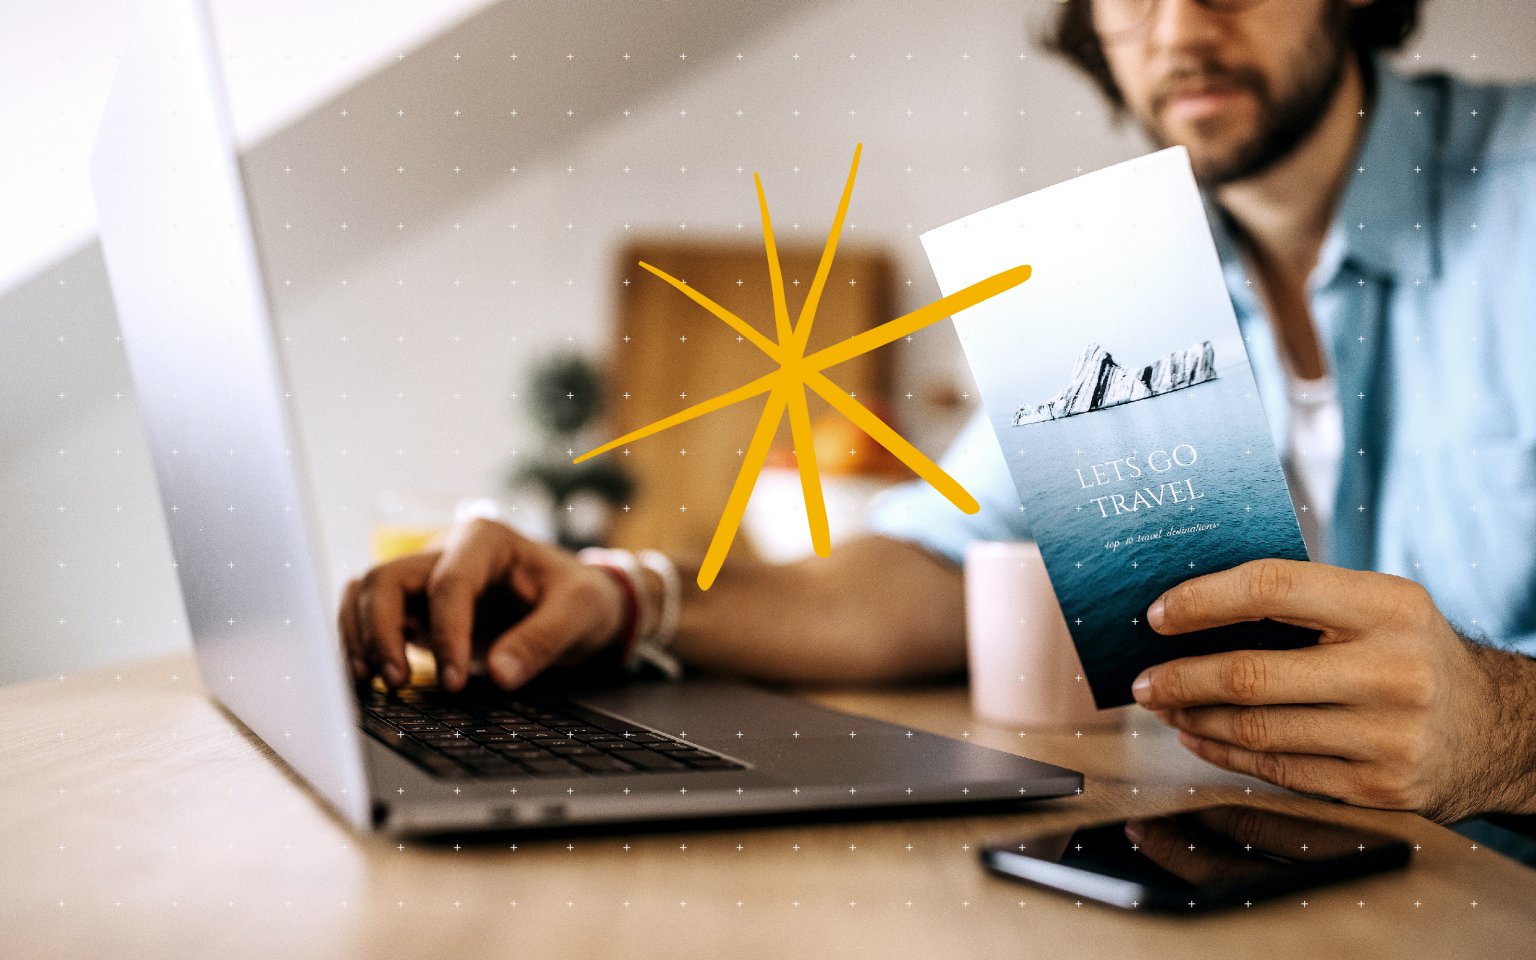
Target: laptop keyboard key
419 726
604 764
553 767
646 760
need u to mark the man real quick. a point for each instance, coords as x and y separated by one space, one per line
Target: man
1377 237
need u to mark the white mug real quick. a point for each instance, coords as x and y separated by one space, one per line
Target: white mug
1024 668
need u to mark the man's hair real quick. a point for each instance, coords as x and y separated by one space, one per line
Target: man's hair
1383 25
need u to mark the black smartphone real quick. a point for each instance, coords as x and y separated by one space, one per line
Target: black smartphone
1197 860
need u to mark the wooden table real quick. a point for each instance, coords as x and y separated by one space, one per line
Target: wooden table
140 822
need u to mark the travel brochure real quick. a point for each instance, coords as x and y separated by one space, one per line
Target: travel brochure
1119 389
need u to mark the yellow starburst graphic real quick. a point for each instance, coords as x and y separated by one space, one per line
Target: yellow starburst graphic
786 386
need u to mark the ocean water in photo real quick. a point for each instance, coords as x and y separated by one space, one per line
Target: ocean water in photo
1210 495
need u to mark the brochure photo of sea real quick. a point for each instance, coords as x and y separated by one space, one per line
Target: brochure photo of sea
1132 497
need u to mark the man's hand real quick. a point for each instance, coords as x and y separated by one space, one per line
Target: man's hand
552 607
1391 709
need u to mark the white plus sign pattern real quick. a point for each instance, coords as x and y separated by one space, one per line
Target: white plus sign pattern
426 232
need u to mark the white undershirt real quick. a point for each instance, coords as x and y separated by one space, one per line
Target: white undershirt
1314 451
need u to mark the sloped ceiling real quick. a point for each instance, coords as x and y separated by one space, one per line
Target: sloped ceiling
499 96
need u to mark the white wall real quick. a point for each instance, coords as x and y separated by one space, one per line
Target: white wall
423 329
56 63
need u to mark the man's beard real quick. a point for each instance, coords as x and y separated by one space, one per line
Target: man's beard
1281 125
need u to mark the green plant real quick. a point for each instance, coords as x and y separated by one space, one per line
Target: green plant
565 399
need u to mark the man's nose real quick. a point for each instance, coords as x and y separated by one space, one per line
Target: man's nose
1181 25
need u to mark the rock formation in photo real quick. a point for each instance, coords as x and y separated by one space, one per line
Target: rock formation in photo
1098 382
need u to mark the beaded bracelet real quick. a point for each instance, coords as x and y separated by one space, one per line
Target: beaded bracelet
643 644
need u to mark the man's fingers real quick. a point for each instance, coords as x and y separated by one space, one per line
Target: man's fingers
484 576
452 594
560 619
475 555
1321 674
1306 594
1302 772
380 612
1280 729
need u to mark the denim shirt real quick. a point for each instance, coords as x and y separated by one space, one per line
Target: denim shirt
1424 297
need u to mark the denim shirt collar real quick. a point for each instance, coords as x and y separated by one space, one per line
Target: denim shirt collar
1386 224
1387 218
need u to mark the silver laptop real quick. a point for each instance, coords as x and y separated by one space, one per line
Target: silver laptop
187 281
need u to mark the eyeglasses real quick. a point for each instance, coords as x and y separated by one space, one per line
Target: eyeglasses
1124 19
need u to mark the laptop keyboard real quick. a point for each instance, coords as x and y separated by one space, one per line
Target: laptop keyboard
455 736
